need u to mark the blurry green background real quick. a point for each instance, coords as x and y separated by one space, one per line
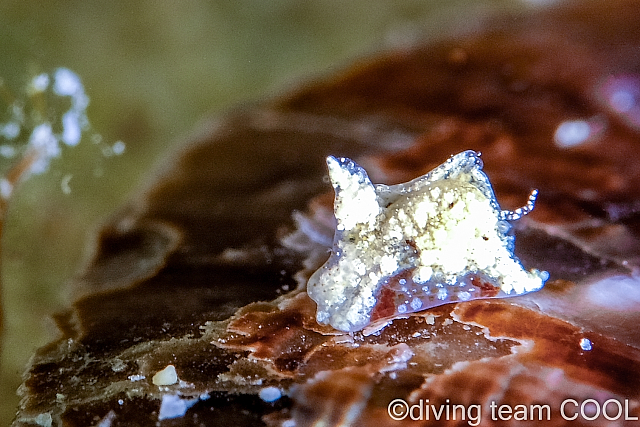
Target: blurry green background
153 70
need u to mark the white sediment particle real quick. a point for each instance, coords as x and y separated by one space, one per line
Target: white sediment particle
71 130
6 188
40 83
45 144
585 344
42 138
10 130
44 420
67 83
64 184
167 376
118 148
174 406
270 394
7 151
572 133
108 419
456 227
398 357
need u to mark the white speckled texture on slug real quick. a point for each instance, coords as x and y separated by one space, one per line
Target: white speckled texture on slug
439 238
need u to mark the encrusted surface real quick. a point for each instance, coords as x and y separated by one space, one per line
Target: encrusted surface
206 269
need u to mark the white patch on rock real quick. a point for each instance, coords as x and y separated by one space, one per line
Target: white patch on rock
167 376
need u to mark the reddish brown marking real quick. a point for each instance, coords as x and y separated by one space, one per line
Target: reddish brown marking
412 244
487 289
385 306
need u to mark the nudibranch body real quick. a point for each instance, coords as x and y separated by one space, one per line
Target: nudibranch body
404 248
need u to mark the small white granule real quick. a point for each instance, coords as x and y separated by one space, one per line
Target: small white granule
46 145
572 133
6 188
585 344
67 83
270 394
118 147
167 376
10 131
71 129
40 82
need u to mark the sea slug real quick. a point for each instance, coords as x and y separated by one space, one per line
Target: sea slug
403 248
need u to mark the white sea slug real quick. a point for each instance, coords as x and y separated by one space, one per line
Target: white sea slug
404 248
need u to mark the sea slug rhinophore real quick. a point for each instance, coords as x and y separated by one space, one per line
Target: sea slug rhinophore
403 248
